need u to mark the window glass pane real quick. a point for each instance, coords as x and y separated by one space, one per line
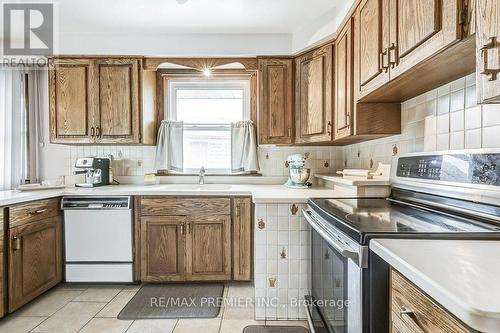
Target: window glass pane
211 149
209 106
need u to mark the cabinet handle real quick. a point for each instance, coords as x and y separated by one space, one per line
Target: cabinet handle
382 57
329 128
392 55
289 132
38 211
16 243
491 73
411 315
98 132
92 131
238 210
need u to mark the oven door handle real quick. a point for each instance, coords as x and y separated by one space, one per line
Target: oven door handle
343 250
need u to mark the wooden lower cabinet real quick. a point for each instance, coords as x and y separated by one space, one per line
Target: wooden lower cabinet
3 278
208 248
242 239
194 239
35 260
415 312
163 248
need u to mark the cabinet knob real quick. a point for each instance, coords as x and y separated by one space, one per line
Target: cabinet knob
491 73
392 55
382 58
16 243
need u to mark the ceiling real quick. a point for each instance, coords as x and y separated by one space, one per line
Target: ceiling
195 16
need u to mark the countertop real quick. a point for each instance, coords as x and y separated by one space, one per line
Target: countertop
259 193
463 276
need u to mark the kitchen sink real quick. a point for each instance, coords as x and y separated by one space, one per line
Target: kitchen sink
197 187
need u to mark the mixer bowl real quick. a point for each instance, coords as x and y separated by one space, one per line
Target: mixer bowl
300 176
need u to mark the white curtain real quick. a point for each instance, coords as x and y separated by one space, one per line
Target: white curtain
36 79
12 125
244 147
169 145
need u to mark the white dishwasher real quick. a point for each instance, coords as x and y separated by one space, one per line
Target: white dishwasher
98 239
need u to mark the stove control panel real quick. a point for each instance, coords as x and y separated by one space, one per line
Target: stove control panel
460 168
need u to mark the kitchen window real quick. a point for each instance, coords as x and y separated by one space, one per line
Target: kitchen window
207 108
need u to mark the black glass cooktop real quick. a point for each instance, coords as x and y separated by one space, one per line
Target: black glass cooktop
363 219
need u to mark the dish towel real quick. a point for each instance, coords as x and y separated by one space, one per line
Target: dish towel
169 145
244 147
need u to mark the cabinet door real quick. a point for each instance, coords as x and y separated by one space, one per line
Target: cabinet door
119 111
242 239
488 50
162 248
371 49
275 101
208 248
72 101
314 74
35 263
419 29
343 83
3 278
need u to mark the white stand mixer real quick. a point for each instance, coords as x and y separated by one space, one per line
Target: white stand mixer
298 174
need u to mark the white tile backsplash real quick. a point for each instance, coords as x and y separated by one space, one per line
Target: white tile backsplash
448 119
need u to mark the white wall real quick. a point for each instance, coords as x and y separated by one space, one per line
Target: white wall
321 29
181 45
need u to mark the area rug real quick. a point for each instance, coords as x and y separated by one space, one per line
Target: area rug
162 301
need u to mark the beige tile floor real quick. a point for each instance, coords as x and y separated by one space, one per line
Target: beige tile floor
93 309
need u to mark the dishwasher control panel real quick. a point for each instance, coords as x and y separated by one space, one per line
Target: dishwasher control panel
112 202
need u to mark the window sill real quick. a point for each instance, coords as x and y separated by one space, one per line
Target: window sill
170 173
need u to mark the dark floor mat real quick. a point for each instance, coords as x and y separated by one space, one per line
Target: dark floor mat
158 301
274 329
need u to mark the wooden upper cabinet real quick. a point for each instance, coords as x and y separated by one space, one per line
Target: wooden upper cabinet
420 29
162 248
71 100
372 38
313 96
35 260
118 100
488 51
343 83
94 100
208 248
275 101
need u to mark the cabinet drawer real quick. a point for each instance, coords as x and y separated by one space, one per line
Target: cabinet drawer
33 211
153 206
413 311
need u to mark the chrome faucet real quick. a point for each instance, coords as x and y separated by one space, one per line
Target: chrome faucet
201 180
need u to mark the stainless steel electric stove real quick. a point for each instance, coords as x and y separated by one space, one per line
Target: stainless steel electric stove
435 195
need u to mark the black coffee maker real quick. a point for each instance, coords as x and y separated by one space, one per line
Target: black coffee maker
96 171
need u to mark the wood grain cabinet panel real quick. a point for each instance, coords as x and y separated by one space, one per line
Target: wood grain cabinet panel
35 260
71 98
118 100
95 100
3 277
343 83
33 211
242 239
488 51
208 248
275 115
419 30
151 206
372 44
162 248
414 312
313 96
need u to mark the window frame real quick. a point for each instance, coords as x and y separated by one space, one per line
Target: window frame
165 76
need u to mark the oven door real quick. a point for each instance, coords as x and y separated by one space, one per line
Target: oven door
335 300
